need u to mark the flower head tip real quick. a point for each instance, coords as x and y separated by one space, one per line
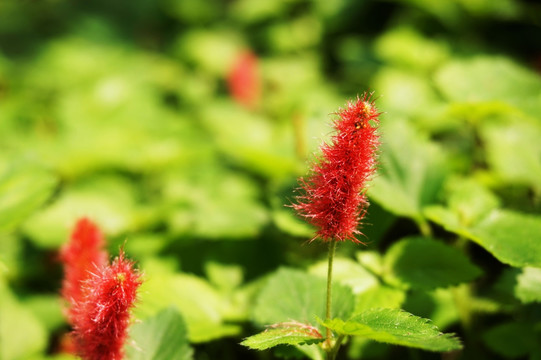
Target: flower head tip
334 198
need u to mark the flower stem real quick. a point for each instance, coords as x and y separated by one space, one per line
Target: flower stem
332 248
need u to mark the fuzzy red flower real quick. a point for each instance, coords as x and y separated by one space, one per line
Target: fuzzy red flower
243 80
82 255
335 201
102 319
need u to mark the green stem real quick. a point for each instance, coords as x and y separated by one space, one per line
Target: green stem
334 350
328 334
424 227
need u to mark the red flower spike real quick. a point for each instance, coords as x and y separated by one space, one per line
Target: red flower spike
82 255
243 80
102 319
335 201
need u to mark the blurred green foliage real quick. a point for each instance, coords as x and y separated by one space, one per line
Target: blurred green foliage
120 111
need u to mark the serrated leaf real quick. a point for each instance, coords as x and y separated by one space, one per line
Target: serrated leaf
290 333
295 295
397 327
424 263
411 174
22 190
437 305
161 337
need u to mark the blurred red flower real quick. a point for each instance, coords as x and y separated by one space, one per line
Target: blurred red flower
99 295
82 255
243 80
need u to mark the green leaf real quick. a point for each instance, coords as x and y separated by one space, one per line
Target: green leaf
21 333
295 295
513 149
23 189
161 337
11 248
195 46
528 287
294 34
224 277
290 333
469 200
251 12
474 80
211 202
286 219
512 340
201 305
427 264
371 260
397 327
406 47
260 145
110 201
347 272
47 309
379 296
438 305
472 212
411 174
512 237
407 95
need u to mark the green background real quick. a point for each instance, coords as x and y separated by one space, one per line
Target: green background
120 111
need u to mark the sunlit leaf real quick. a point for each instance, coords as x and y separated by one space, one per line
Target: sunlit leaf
528 287
23 189
514 150
21 333
202 307
427 264
394 326
512 237
295 295
411 174
161 337
346 272
211 202
379 296
462 80
289 333
109 201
